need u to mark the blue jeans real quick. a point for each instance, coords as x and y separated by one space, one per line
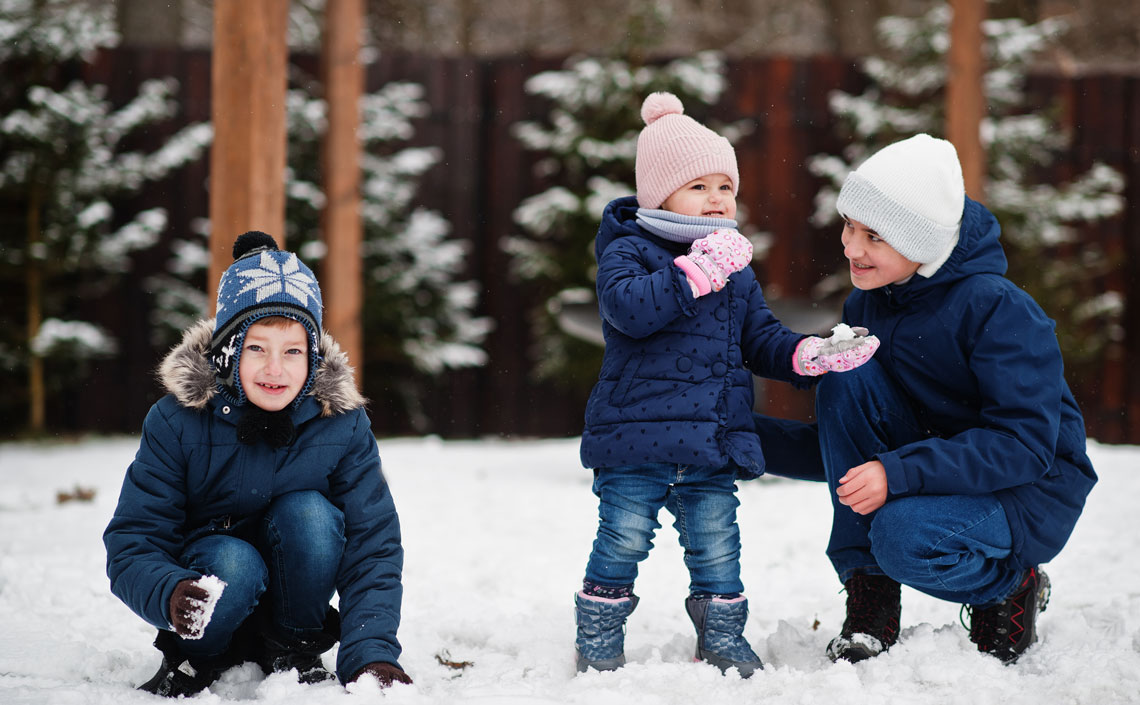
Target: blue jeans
703 503
953 547
289 557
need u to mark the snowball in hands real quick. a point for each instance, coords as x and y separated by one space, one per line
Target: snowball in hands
713 258
842 332
845 349
192 605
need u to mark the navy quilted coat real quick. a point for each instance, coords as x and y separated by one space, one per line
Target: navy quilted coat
980 360
676 379
191 476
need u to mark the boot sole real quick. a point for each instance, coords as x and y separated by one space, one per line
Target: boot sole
607 664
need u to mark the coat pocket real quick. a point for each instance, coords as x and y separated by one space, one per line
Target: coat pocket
625 380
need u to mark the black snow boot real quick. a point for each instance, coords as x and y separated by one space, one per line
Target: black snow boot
1007 629
179 675
872 624
303 653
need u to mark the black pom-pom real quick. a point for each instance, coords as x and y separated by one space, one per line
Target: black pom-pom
253 241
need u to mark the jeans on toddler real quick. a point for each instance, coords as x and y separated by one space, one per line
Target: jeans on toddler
702 500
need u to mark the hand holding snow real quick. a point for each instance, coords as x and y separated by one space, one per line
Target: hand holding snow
845 349
192 605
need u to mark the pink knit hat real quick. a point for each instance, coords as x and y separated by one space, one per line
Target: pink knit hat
673 149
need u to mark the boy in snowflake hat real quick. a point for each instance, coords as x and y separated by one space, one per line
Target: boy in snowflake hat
956 460
262 282
669 423
256 493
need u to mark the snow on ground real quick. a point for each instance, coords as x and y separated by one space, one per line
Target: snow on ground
497 534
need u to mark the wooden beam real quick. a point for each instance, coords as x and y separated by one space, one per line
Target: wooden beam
965 95
342 284
247 158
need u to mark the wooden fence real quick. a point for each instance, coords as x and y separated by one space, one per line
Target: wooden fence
485 173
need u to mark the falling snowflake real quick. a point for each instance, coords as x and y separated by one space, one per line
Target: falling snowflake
271 278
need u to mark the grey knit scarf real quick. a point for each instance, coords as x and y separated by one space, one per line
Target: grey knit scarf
679 228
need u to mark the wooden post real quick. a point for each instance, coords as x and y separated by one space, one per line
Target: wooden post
342 271
247 158
965 95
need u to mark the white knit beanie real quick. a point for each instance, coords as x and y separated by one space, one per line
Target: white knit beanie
673 149
911 193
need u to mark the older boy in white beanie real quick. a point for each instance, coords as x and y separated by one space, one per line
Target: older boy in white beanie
669 423
956 458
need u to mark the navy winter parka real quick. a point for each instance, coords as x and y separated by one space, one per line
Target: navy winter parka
192 477
676 378
980 361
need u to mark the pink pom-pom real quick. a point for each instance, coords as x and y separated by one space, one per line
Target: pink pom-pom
658 105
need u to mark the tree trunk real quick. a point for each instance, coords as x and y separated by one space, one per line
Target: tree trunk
33 278
342 273
965 97
247 157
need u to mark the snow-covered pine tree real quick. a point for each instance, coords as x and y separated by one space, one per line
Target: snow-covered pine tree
1039 220
419 314
64 170
589 140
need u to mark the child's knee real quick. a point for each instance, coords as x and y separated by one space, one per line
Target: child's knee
851 386
308 507
895 541
307 514
631 542
306 532
237 563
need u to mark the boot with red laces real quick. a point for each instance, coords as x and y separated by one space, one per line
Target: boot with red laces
1007 629
872 624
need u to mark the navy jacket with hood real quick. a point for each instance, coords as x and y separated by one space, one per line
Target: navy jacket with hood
675 384
980 361
192 477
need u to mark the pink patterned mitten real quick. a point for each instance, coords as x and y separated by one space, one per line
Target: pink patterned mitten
845 349
713 258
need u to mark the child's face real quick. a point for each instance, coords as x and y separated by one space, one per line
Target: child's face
709 196
274 364
873 262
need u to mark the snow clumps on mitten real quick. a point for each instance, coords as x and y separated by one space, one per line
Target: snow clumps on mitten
845 349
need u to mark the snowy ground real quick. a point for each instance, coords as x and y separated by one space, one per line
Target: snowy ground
497 534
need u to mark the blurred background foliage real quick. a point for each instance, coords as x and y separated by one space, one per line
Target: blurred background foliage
102 181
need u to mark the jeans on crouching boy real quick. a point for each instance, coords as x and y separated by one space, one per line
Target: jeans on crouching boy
953 547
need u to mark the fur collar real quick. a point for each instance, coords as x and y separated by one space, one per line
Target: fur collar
186 373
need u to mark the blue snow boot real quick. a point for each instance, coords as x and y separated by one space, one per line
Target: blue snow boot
720 633
601 631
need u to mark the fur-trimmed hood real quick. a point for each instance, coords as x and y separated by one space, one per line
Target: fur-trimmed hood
186 373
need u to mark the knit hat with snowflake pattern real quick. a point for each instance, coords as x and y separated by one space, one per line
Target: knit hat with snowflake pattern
263 281
673 149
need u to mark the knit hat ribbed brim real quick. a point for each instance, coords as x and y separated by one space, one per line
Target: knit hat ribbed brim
912 194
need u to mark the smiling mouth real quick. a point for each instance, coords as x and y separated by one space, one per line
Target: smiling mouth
272 387
856 265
